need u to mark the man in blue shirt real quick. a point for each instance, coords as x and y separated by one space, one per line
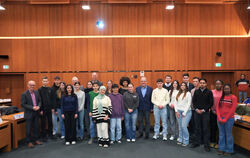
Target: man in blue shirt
145 107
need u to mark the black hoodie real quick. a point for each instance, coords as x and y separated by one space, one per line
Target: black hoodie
54 89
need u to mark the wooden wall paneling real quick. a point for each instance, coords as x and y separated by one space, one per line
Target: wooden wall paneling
69 54
157 19
157 54
94 54
57 54
56 20
31 57
143 19
132 55
242 53
106 14
194 54
144 54
119 54
193 19
181 46
68 19
36 20
106 62
205 53
34 77
181 17
219 45
169 54
17 58
93 16
168 21
81 54
5 49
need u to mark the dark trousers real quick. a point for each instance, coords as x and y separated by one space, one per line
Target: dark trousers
191 127
70 126
213 128
144 115
32 123
86 121
47 115
202 128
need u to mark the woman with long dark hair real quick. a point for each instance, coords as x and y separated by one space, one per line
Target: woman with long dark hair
59 93
69 114
183 113
172 117
225 115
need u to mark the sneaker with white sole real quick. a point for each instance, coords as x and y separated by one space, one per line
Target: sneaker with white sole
179 143
90 141
161 133
155 136
128 140
165 137
111 142
105 146
178 139
73 142
184 145
171 138
133 140
67 143
62 137
119 141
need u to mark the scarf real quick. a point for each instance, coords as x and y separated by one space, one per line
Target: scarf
99 104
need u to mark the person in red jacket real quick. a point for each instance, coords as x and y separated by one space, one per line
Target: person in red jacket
242 85
225 115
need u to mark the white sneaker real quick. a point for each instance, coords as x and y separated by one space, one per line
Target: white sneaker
133 140
161 133
105 146
67 143
165 137
179 143
128 140
62 137
178 139
171 138
74 142
119 141
111 142
155 136
184 145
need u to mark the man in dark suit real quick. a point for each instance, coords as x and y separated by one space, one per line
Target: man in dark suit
145 107
186 80
31 102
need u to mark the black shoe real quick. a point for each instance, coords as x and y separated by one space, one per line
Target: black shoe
53 137
146 137
140 135
194 145
44 140
206 148
220 152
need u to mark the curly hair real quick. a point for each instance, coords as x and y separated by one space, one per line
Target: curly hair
124 79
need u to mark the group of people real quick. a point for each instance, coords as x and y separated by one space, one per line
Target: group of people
188 112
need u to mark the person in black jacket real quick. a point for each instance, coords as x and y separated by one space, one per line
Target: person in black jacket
186 80
86 105
145 107
54 88
31 102
46 107
202 103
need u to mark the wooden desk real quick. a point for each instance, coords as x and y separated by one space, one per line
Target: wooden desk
18 129
241 133
5 136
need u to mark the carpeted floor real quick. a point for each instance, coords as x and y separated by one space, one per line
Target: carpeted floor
140 149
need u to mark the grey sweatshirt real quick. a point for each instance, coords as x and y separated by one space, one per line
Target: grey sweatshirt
130 100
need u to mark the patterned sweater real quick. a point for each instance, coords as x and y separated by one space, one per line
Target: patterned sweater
106 109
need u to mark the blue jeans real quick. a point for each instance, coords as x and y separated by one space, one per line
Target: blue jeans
130 124
115 129
183 123
226 140
92 128
79 122
244 94
160 115
54 119
62 129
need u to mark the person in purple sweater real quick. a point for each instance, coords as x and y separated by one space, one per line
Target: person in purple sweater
117 115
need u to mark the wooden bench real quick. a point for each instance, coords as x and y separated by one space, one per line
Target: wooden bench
5 136
18 129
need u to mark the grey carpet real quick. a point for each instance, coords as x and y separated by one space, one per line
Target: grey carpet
140 149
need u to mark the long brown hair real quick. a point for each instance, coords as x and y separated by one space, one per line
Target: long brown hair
59 91
181 91
172 87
